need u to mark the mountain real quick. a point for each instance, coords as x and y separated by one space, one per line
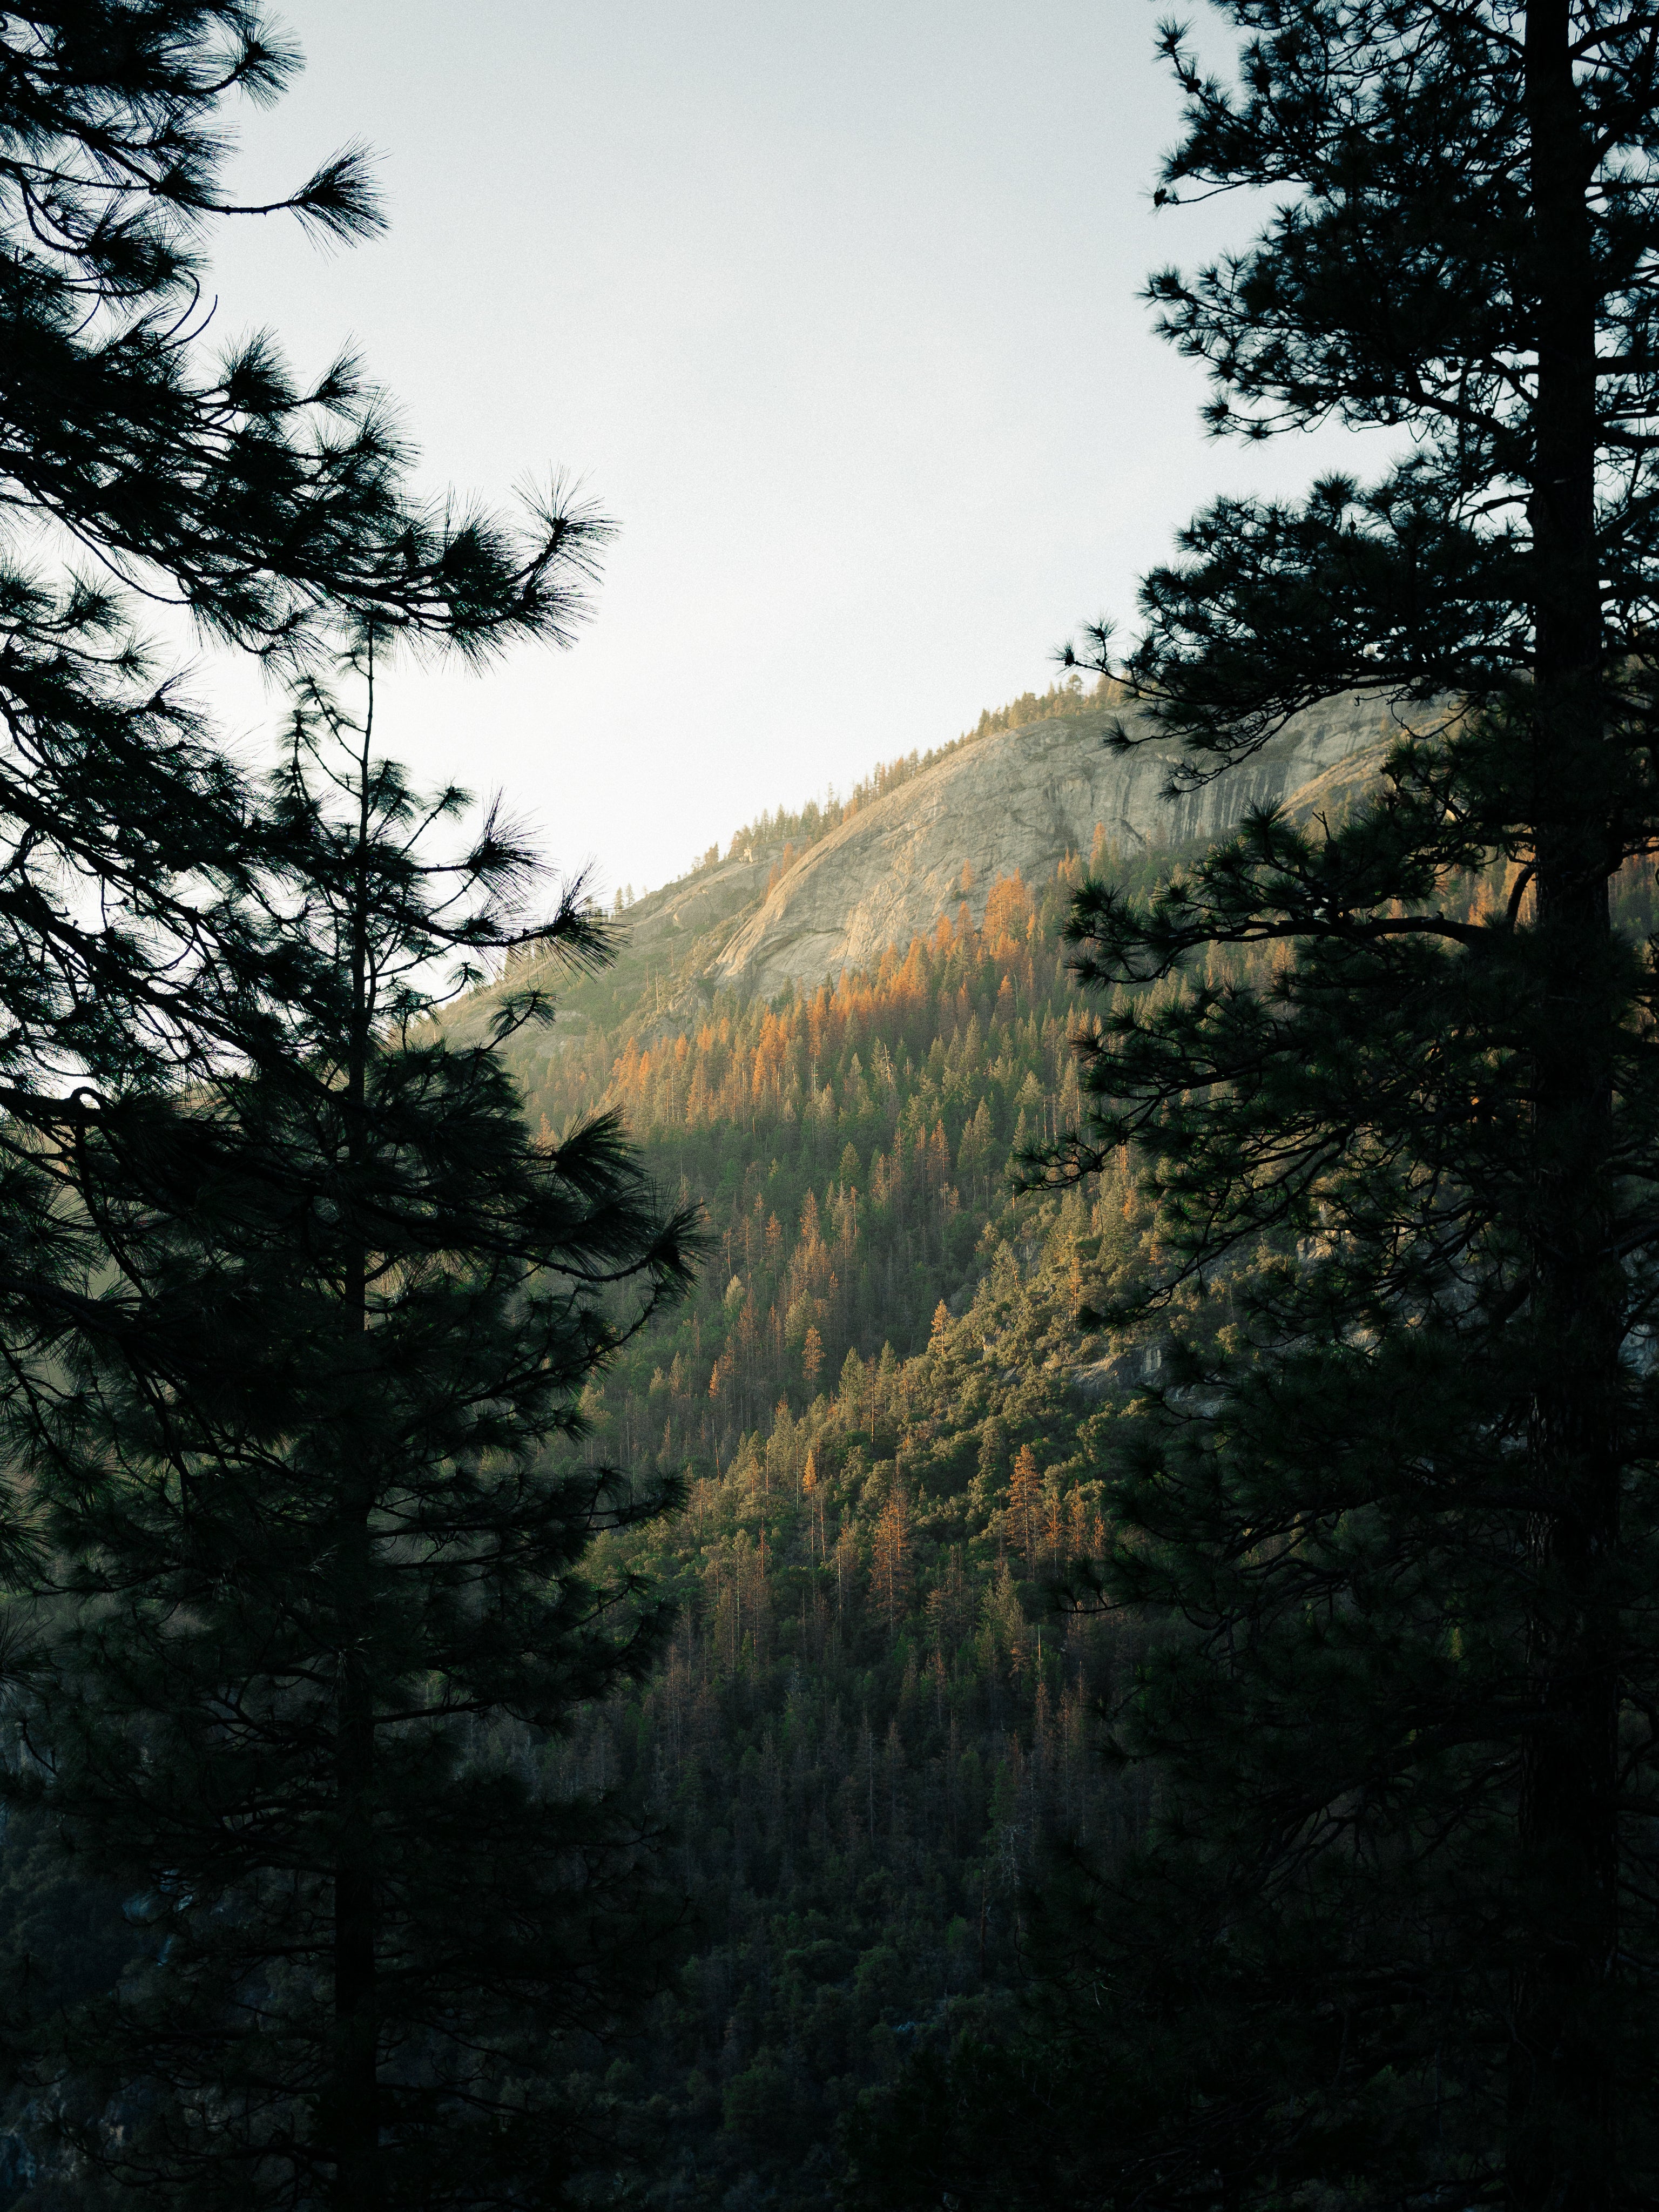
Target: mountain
1016 803
779 910
886 1421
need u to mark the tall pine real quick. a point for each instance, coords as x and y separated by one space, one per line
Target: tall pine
1387 1928
317 1615
142 461
170 993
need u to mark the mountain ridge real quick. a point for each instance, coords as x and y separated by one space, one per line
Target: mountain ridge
1014 800
1019 801
887 1411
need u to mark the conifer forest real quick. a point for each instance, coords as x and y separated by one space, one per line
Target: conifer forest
697 1552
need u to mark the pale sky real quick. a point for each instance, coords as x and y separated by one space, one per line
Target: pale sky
834 307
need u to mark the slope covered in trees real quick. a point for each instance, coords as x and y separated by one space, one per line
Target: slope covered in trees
849 1143
870 1718
892 1431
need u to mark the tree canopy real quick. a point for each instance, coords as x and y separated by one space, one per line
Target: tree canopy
1389 1509
293 1302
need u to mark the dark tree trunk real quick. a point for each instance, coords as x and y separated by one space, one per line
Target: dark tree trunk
357 2176
359 2181
1560 2101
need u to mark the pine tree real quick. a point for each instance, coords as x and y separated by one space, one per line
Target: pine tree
1026 1502
1391 1933
321 1611
890 1559
273 511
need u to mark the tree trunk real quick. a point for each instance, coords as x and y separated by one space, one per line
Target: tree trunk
1560 2119
358 2180
357 2176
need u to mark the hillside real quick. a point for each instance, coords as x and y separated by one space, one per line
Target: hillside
886 1422
1016 803
797 899
885 1425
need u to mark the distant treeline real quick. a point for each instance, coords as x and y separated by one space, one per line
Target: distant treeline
806 825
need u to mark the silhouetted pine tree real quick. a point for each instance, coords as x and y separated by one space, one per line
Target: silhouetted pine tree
319 1608
1391 1930
142 465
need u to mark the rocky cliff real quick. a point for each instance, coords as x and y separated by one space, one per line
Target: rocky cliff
1018 800
1012 800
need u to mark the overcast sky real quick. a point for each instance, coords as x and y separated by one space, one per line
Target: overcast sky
833 306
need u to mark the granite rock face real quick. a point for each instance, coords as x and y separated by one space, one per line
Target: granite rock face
1022 799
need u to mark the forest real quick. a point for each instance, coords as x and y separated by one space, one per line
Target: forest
871 1716
880 1716
880 1422
1019 1576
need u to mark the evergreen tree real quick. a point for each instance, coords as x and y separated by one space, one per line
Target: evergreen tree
140 466
319 1607
1391 1931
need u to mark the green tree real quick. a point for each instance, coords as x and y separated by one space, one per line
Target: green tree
320 1608
145 946
1391 1929
140 464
